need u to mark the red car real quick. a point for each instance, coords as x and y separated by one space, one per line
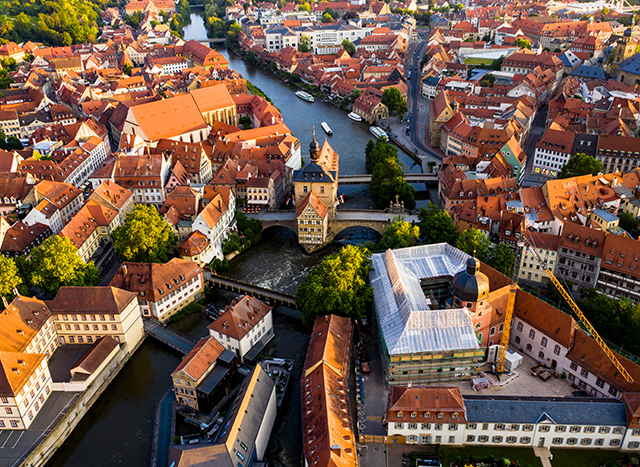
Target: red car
365 367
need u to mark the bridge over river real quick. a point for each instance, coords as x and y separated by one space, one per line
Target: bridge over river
362 179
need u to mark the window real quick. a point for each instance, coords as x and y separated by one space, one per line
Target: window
600 383
528 428
426 426
599 442
4 400
453 427
613 391
413 426
517 340
398 426
584 373
14 423
525 440
492 331
471 438
438 439
541 355
634 445
532 334
240 455
496 439
575 429
557 441
425 439
572 441
556 350
590 429
472 426
499 426
519 327
528 347
8 410
617 430
511 439
635 432
614 442
437 426
573 366
561 429
604 429
545 428
543 342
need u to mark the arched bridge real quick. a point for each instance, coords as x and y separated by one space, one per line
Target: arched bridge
366 178
270 297
345 218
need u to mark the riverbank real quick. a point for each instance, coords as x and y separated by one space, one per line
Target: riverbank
57 435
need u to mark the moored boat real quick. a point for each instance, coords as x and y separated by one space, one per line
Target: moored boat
378 132
355 117
305 96
326 128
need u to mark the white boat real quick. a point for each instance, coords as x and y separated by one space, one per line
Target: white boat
326 128
355 117
378 132
305 96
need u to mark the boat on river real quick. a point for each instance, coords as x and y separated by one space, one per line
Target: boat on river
378 132
326 128
305 96
355 117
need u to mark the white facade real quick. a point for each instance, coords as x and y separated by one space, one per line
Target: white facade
216 234
262 328
549 162
177 299
423 432
17 413
537 345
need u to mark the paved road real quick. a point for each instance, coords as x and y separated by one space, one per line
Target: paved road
537 130
368 216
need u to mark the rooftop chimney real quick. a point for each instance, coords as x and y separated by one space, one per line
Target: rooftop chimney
124 269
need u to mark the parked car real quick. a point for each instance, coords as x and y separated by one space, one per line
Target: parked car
365 367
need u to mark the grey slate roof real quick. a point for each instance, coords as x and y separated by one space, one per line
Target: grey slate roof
561 410
592 72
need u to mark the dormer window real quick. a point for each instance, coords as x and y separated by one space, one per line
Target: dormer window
414 415
399 414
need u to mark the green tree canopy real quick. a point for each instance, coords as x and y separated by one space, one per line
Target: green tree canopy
615 319
145 237
522 43
348 46
56 264
387 179
338 285
5 79
627 221
502 258
327 18
392 98
355 94
436 226
475 243
580 164
9 278
377 152
399 234
305 44
9 143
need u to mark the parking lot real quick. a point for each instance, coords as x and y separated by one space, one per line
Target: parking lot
16 445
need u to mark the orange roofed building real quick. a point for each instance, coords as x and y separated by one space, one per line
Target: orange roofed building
162 289
244 328
327 427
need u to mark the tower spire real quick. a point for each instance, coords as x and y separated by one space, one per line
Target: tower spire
313 147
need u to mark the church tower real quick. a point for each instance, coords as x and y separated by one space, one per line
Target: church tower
625 48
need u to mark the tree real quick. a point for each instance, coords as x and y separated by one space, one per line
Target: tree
627 221
474 242
9 63
355 94
348 46
605 11
9 143
5 79
126 68
387 182
393 100
580 164
502 257
488 80
327 18
305 43
145 237
522 43
496 65
436 226
338 285
56 264
304 7
9 277
377 152
399 234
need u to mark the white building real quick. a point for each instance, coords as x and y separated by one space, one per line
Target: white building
216 219
244 328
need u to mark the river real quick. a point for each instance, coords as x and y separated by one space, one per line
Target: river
118 429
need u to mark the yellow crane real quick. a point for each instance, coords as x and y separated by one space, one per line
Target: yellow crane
504 341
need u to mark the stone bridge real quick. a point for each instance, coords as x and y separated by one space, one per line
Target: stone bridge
363 179
345 218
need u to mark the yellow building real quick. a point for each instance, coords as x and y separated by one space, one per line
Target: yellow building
84 314
319 176
546 245
313 221
604 219
215 104
440 113
625 48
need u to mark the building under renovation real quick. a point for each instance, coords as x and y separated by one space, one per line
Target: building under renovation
428 302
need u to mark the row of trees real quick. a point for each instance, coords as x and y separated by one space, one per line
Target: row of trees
53 264
59 23
387 178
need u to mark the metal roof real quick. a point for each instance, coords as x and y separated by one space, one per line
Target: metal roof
563 411
210 382
408 323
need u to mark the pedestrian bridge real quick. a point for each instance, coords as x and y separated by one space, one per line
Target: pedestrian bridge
268 296
168 336
366 178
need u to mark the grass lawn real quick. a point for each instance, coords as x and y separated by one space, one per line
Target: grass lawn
585 457
524 455
478 61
